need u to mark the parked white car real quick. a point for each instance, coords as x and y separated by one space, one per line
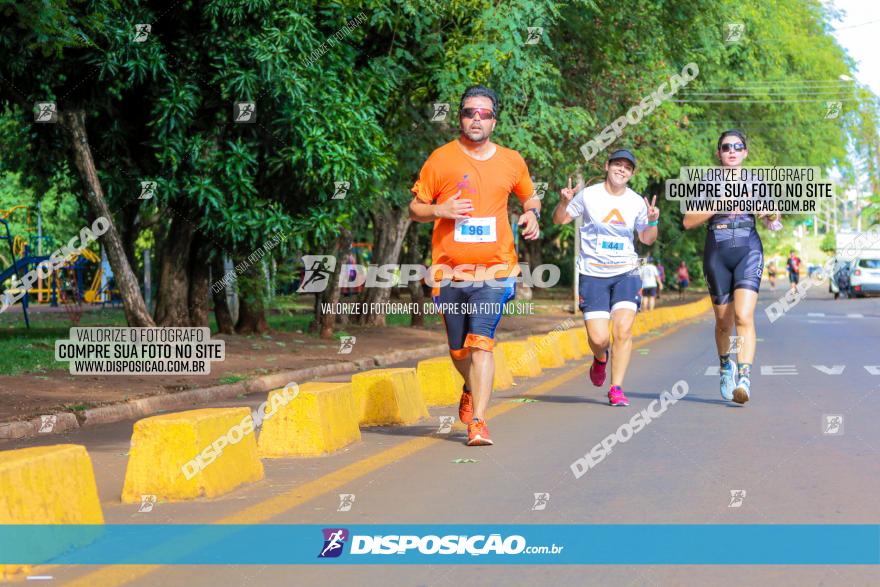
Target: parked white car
865 277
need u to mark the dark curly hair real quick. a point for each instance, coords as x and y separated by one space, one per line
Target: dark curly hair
481 91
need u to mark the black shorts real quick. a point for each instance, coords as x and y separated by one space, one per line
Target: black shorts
600 296
793 276
649 292
734 263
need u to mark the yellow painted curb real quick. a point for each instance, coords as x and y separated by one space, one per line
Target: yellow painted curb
440 381
388 396
503 377
319 420
549 351
214 447
579 334
47 485
522 357
567 344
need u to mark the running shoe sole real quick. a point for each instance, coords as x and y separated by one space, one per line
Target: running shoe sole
480 441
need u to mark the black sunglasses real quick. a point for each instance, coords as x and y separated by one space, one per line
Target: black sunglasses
725 147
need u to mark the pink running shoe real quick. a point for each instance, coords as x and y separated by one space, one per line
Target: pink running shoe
597 371
616 397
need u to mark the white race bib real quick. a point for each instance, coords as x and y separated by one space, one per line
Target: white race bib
613 246
476 230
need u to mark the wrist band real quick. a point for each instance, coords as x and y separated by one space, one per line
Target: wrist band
654 223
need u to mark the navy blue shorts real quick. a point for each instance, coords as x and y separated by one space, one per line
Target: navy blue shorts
599 296
732 267
471 313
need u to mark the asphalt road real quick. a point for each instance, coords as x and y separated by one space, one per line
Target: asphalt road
682 468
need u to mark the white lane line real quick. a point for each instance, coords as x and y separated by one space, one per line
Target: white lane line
816 314
854 316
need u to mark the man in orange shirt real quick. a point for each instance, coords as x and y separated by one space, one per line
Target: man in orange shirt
463 189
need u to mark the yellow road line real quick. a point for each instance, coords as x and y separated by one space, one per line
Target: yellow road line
113 576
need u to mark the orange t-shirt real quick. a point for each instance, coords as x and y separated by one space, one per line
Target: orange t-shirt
488 185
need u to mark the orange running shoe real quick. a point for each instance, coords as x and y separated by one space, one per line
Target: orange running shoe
466 407
478 433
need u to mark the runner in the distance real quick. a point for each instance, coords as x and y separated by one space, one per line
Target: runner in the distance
463 189
650 283
684 279
608 264
793 266
733 263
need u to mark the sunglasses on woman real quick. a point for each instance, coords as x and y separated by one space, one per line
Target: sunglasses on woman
485 113
732 146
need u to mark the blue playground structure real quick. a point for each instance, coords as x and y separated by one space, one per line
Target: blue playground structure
26 262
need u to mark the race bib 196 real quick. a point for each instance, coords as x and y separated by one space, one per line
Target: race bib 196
476 230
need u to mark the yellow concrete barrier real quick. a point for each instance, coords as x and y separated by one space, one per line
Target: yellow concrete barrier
503 376
549 351
196 453
568 344
319 420
388 396
48 485
440 381
579 334
521 356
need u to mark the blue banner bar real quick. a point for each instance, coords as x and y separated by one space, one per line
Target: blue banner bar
618 544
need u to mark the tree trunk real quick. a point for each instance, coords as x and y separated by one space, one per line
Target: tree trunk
199 277
323 323
389 230
414 255
251 309
221 308
172 296
136 313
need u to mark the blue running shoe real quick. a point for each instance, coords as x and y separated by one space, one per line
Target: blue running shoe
743 390
728 380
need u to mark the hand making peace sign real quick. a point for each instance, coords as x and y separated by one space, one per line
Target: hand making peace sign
653 211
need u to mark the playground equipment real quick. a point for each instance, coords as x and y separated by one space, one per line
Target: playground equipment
71 293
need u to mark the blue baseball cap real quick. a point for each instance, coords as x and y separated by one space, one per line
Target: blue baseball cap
622 154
